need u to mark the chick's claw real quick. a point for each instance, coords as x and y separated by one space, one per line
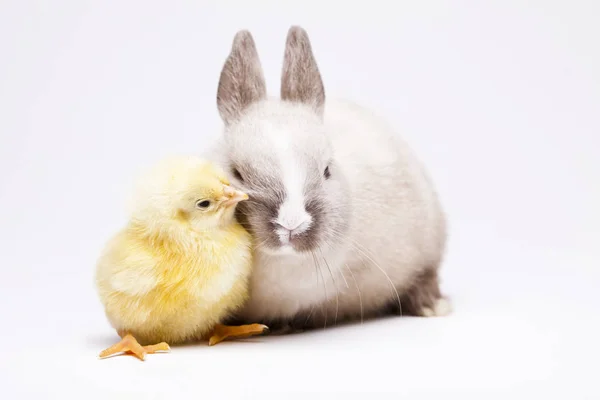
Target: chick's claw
223 332
161 347
130 345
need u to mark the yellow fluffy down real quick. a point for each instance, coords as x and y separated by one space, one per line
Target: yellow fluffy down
158 290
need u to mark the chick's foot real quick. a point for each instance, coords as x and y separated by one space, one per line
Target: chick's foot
222 332
130 345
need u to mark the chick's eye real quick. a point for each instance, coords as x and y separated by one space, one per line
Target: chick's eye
327 173
203 204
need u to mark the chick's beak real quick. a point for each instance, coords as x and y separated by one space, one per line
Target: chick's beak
233 196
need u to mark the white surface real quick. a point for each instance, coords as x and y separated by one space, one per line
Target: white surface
501 100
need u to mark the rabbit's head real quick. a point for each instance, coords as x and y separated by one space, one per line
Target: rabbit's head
277 150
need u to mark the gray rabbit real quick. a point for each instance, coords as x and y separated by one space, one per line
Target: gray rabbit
346 222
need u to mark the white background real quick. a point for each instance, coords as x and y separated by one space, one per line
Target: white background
501 100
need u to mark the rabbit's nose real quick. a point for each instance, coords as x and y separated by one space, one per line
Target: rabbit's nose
299 227
288 229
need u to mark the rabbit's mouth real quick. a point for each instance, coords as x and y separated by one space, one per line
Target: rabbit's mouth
284 242
281 251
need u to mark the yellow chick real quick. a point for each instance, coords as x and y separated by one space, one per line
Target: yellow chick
180 265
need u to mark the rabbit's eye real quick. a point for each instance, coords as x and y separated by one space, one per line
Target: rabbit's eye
237 174
327 173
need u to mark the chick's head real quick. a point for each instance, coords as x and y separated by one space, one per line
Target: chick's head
185 192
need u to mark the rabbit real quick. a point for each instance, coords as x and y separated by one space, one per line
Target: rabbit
346 221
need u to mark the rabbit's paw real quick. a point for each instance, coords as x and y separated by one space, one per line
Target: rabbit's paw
441 308
424 298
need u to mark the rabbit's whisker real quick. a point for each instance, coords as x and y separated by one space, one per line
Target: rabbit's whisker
312 309
337 300
359 294
324 285
364 252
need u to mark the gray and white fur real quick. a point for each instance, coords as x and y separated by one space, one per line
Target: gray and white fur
346 222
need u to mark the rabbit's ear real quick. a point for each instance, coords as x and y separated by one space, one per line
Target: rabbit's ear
242 82
300 79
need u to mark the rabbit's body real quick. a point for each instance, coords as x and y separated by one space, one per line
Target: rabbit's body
346 223
385 179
